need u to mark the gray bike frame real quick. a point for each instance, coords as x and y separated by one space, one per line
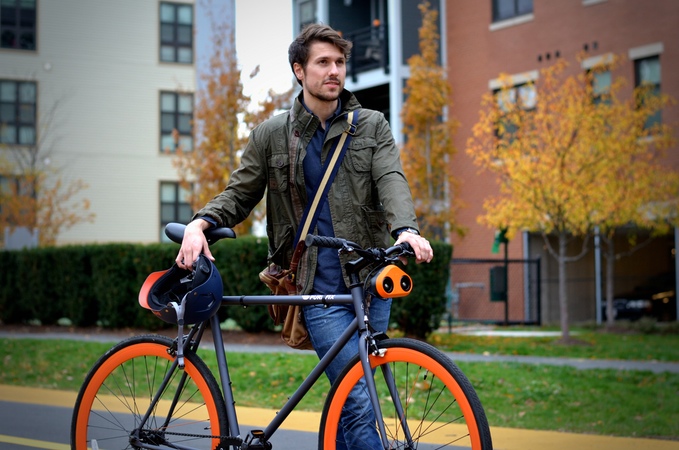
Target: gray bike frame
175 232
356 326
360 326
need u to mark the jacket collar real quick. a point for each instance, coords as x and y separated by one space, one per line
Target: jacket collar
299 112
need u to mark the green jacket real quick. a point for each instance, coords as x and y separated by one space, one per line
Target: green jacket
368 199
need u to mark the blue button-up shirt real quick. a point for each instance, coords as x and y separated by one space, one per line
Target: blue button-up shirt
328 278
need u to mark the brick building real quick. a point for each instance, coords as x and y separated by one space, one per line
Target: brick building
520 37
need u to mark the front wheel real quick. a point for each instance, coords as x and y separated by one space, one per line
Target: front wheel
118 391
437 401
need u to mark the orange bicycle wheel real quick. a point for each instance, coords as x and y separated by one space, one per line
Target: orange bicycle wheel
119 388
439 404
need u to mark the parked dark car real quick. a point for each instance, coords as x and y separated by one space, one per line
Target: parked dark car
654 298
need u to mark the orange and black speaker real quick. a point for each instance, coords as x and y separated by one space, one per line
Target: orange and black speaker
391 282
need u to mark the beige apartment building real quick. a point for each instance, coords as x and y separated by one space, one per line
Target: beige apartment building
96 87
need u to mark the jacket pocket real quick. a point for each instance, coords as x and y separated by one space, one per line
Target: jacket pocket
279 172
360 154
378 228
280 246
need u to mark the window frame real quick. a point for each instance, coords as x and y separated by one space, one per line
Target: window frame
19 27
595 66
176 204
181 136
176 27
656 118
19 113
495 10
515 83
516 99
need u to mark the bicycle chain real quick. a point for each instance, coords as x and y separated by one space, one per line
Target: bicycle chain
227 440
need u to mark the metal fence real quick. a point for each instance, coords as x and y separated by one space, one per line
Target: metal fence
501 291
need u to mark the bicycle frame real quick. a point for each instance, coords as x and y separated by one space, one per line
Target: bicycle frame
360 326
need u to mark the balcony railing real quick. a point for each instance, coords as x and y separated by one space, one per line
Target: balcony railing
370 50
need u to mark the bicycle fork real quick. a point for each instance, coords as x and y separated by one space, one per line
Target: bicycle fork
369 347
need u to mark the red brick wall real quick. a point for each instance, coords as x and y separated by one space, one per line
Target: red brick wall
476 55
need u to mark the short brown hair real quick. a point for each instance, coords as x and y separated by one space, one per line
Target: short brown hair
298 52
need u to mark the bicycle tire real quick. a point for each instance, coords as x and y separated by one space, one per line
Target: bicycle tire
119 387
441 406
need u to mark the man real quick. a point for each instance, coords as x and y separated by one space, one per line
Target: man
368 200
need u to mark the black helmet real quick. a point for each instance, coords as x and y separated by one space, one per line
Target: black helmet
164 292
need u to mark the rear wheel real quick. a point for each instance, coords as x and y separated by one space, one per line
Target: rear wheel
119 388
439 404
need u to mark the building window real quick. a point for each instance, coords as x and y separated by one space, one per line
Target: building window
176 33
174 206
307 13
8 188
524 96
598 73
17 24
17 112
176 115
601 86
647 74
20 189
508 9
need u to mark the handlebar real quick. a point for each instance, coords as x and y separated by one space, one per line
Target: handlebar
175 231
403 249
374 257
329 242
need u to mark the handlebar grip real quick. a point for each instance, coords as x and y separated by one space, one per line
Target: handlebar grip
403 249
407 248
324 241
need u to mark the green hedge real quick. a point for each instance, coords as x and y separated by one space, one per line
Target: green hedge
418 314
99 285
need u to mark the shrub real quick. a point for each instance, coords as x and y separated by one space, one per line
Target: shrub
99 284
418 314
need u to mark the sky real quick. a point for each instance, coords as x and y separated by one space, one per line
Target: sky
263 34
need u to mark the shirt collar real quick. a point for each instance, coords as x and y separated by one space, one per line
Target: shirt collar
335 114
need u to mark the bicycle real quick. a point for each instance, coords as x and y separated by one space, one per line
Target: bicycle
153 392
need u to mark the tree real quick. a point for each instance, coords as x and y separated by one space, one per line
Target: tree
35 195
570 163
220 110
428 134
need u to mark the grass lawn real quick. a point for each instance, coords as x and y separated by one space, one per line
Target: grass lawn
623 403
593 344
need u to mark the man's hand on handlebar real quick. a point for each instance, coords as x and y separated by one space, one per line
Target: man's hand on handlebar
193 244
421 247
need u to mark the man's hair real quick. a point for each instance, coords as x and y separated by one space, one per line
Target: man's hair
298 52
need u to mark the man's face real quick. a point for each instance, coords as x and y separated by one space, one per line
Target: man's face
325 72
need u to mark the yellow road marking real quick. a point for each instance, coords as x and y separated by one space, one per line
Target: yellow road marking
33 443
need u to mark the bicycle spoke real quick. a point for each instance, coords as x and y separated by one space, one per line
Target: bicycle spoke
121 389
438 411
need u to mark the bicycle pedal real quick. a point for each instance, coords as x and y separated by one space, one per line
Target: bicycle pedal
256 441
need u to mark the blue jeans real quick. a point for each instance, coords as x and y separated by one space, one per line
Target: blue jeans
325 326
